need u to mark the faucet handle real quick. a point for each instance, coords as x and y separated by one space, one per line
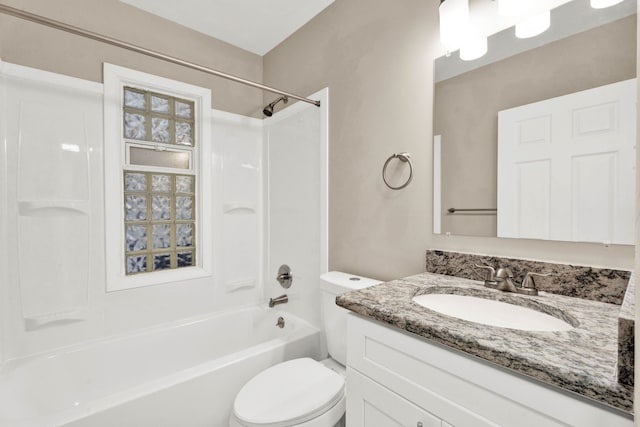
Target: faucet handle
490 278
528 281
491 275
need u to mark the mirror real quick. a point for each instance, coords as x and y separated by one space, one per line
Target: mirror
514 88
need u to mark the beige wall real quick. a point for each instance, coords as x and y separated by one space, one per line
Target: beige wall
467 106
378 64
34 45
376 61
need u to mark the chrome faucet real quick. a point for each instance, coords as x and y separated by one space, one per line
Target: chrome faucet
502 280
282 299
504 277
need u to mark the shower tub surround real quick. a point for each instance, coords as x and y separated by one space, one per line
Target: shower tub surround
188 371
582 360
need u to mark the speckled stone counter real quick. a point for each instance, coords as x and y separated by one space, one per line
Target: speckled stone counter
626 335
597 284
582 360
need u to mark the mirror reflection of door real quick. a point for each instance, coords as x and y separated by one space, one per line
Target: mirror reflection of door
566 167
584 48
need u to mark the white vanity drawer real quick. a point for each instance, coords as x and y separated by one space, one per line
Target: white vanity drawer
371 405
463 390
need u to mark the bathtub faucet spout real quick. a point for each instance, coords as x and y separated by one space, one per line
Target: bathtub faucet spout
282 299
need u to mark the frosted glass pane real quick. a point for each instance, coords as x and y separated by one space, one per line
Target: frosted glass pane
136 264
160 207
184 208
184 133
135 208
134 99
184 184
184 110
161 236
135 182
159 105
161 261
159 130
136 237
185 259
184 235
160 183
165 159
134 126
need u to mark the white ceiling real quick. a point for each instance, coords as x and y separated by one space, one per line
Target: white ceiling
255 25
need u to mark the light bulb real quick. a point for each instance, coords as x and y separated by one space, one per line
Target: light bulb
454 22
533 26
511 7
473 48
601 4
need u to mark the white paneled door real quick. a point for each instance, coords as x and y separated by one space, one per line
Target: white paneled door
566 167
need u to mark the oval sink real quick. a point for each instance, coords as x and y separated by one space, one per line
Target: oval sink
491 312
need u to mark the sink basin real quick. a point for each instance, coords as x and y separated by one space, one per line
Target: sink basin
491 312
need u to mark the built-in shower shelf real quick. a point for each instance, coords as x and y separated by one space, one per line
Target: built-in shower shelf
239 207
235 285
58 317
53 208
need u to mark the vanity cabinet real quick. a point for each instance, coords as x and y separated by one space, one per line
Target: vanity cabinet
397 378
373 405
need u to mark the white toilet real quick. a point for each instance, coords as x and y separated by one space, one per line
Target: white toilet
304 392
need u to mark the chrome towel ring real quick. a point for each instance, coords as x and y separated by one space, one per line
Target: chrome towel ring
404 157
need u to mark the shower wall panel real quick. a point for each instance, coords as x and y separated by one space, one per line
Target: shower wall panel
296 144
52 130
52 200
239 213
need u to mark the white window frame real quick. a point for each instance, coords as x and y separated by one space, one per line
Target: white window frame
115 79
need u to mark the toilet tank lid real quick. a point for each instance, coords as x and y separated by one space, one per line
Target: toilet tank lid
338 282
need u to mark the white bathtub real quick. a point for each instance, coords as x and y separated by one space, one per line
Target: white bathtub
183 374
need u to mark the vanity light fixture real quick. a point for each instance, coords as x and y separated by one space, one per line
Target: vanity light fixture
473 48
534 26
512 7
601 4
454 22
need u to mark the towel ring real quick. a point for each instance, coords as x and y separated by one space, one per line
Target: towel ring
405 157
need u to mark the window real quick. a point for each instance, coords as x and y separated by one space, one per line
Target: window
155 139
159 221
159 133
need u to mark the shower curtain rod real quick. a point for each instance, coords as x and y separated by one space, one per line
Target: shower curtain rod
7 10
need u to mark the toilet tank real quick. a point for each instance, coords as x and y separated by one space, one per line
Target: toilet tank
335 318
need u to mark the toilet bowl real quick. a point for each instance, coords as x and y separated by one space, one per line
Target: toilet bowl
304 392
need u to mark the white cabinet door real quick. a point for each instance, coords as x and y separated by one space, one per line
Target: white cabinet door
566 167
371 405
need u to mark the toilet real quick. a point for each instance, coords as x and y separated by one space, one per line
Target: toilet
304 392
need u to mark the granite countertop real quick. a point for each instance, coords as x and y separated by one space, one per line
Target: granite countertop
582 360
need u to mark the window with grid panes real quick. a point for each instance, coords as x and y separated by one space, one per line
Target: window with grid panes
159 181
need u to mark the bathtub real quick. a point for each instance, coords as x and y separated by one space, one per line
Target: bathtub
184 374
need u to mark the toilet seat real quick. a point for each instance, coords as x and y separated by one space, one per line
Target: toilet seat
289 393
